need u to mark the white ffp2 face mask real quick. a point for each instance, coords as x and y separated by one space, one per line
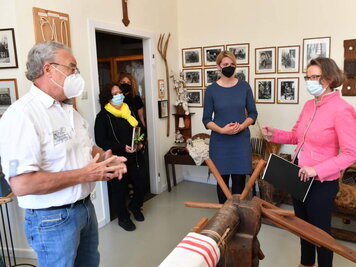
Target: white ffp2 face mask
73 84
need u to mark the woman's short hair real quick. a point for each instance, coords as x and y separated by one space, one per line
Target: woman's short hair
40 54
329 71
223 54
133 82
105 94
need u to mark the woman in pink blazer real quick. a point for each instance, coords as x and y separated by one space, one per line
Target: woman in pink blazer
325 135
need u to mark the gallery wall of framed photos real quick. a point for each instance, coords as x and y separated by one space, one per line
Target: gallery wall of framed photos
283 64
200 70
277 69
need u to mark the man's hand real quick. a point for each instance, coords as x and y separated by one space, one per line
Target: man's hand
106 170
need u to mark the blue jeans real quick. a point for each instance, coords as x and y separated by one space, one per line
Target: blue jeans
64 236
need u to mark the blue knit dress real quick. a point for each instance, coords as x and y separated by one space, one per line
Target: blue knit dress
222 105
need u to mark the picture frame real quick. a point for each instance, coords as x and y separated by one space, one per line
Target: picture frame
265 58
211 75
288 59
161 89
191 57
210 54
193 77
264 90
195 98
243 73
241 52
315 47
8 54
8 94
288 90
163 108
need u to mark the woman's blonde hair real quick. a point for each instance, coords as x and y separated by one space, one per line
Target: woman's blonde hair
223 54
133 82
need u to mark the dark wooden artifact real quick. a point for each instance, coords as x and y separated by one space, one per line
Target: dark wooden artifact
248 214
234 228
349 86
125 13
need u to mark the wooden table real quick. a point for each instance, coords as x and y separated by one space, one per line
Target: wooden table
177 160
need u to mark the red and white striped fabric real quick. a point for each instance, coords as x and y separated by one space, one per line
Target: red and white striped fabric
195 250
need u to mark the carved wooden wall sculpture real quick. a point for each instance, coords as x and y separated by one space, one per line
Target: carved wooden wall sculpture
51 26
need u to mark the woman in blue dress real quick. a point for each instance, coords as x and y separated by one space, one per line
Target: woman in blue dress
229 109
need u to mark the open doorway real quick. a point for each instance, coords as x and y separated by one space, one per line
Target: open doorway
101 203
121 55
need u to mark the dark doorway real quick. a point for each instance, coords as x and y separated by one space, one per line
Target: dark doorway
116 54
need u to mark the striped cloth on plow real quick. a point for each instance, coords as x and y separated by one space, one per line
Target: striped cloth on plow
195 250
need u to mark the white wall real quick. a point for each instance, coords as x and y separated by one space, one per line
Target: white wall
149 16
264 24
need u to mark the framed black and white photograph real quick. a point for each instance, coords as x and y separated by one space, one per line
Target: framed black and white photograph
265 60
288 90
264 90
313 48
243 73
8 55
161 89
193 77
288 59
241 52
191 57
8 94
210 54
163 108
195 98
210 75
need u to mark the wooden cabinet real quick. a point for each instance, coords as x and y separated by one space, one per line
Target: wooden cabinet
183 123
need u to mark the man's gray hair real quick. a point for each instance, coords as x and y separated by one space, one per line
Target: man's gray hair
39 55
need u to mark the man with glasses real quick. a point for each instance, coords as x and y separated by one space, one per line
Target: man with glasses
51 162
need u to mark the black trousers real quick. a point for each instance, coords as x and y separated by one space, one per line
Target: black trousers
238 185
136 170
317 210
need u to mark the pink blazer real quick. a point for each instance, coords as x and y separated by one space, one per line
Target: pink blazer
325 135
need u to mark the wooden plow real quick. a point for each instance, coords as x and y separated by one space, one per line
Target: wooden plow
236 224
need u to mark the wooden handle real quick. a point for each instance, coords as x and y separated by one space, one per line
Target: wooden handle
305 230
205 205
201 224
287 213
260 165
218 178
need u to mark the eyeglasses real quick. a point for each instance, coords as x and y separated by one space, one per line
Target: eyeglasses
228 65
312 78
74 70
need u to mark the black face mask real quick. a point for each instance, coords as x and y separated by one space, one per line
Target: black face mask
125 88
228 71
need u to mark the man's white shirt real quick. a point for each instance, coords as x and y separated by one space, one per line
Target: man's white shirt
38 133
